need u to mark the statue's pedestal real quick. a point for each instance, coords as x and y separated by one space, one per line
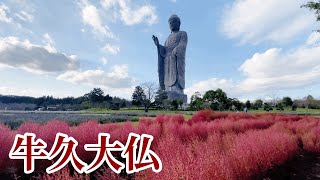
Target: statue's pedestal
177 96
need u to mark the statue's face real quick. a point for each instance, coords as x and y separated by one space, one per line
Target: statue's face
174 24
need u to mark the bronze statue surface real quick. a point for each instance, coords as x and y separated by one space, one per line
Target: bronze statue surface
171 60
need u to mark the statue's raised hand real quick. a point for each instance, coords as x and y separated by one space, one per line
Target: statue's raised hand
155 40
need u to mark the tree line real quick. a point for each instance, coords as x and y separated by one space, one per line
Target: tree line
96 98
218 100
148 96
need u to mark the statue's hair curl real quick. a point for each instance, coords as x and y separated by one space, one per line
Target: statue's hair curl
174 16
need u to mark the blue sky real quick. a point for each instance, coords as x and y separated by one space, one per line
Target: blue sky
251 49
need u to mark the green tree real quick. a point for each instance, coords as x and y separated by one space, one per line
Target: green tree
144 95
266 106
258 104
175 104
279 106
160 97
217 100
196 102
149 89
138 96
96 95
314 6
108 98
248 104
167 104
238 105
309 101
180 102
294 107
123 104
287 101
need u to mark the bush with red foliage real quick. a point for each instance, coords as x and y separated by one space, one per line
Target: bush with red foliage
6 141
211 145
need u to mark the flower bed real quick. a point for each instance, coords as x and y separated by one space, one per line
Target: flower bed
211 145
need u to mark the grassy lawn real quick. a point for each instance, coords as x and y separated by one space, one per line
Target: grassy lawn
138 113
188 114
141 111
98 110
14 119
299 111
286 110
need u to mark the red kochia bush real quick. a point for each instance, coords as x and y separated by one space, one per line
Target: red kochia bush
211 145
193 151
255 151
207 115
6 141
85 133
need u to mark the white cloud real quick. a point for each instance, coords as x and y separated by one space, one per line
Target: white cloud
129 13
33 58
116 77
49 43
278 69
252 21
4 90
119 72
48 39
39 92
272 70
7 17
25 16
112 49
314 39
104 60
90 16
173 1
108 4
212 83
3 14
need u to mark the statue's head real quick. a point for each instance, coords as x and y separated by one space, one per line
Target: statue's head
174 23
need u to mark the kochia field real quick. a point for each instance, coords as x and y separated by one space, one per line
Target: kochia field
210 145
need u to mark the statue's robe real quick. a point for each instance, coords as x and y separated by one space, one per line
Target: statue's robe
171 62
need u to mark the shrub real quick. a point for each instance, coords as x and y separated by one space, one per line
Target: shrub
211 145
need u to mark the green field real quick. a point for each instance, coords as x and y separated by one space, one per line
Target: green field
188 114
138 112
299 111
15 118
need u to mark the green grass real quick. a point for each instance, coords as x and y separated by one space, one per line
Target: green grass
102 110
188 114
119 116
299 111
140 112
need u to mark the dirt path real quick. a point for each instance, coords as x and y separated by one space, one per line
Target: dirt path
304 166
